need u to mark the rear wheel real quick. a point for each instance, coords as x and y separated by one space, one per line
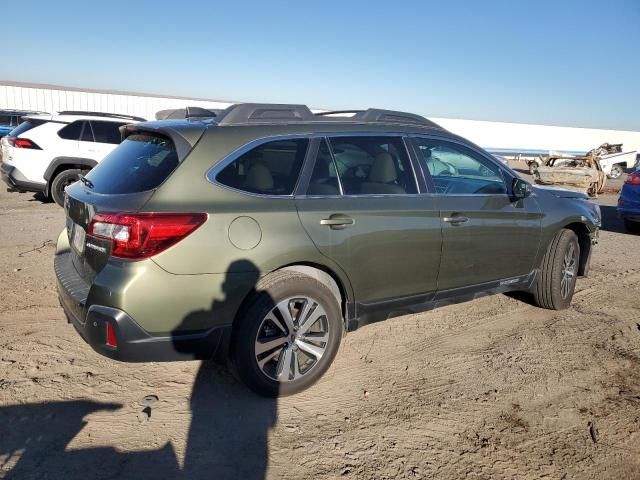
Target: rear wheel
631 226
556 281
287 335
616 171
61 181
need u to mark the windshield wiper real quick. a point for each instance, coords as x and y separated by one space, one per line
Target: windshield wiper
86 181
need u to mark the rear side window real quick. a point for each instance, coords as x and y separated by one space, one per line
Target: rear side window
269 169
140 163
5 120
373 165
71 131
106 132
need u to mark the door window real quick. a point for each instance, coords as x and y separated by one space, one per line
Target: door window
456 169
373 165
269 169
71 131
324 179
87 134
106 132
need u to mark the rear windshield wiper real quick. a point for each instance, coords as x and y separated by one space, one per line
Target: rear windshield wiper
86 181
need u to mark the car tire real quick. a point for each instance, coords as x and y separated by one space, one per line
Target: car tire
616 171
285 368
556 280
61 181
631 226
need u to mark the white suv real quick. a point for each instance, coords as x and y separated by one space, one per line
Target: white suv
46 153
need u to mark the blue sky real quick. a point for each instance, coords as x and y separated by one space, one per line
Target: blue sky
562 62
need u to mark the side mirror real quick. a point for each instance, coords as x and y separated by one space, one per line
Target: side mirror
520 188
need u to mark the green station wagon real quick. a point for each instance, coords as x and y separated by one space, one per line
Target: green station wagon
262 233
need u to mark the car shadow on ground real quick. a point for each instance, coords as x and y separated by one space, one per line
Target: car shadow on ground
611 222
227 437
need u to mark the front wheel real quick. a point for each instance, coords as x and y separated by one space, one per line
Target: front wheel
61 181
287 335
556 281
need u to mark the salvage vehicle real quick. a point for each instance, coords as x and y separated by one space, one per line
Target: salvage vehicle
46 153
610 157
614 161
579 173
629 202
265 232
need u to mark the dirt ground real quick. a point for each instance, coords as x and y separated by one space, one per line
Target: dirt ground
494 388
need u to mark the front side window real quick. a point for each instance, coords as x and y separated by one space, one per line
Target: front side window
370 165
456 169
5 120
106 132
269 169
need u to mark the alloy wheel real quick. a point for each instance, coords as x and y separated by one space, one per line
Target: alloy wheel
291 339
569 264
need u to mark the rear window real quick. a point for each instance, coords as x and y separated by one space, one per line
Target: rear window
141 162
23 127
269 169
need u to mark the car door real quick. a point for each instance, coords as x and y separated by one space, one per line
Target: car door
487 235
86 144
362 209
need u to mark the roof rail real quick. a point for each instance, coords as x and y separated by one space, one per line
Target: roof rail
337 112
264 113
102 114
247 113
392 116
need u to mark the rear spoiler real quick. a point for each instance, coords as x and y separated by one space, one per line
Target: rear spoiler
184 135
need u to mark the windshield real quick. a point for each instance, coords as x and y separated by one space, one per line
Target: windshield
140 163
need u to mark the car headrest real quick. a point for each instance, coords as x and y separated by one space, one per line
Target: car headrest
383 169
259 178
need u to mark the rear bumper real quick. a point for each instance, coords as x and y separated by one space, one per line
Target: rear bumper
17 182
134 344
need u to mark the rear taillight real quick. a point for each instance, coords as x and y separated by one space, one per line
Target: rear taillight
23 143
142 235
633 179
112 340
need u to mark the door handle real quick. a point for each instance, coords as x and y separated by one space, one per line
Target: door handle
455 220
337 222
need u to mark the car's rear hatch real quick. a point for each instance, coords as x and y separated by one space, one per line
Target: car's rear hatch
122 184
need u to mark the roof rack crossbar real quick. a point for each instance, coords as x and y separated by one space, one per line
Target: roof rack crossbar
101 114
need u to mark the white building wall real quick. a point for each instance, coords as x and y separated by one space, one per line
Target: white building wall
498 135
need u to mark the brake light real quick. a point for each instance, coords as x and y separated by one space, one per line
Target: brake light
23 143
142 235
633 179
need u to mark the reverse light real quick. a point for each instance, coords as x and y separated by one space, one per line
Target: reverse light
22 143
632 179
142 235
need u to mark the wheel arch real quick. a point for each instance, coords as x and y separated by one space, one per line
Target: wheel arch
584 241
59 164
